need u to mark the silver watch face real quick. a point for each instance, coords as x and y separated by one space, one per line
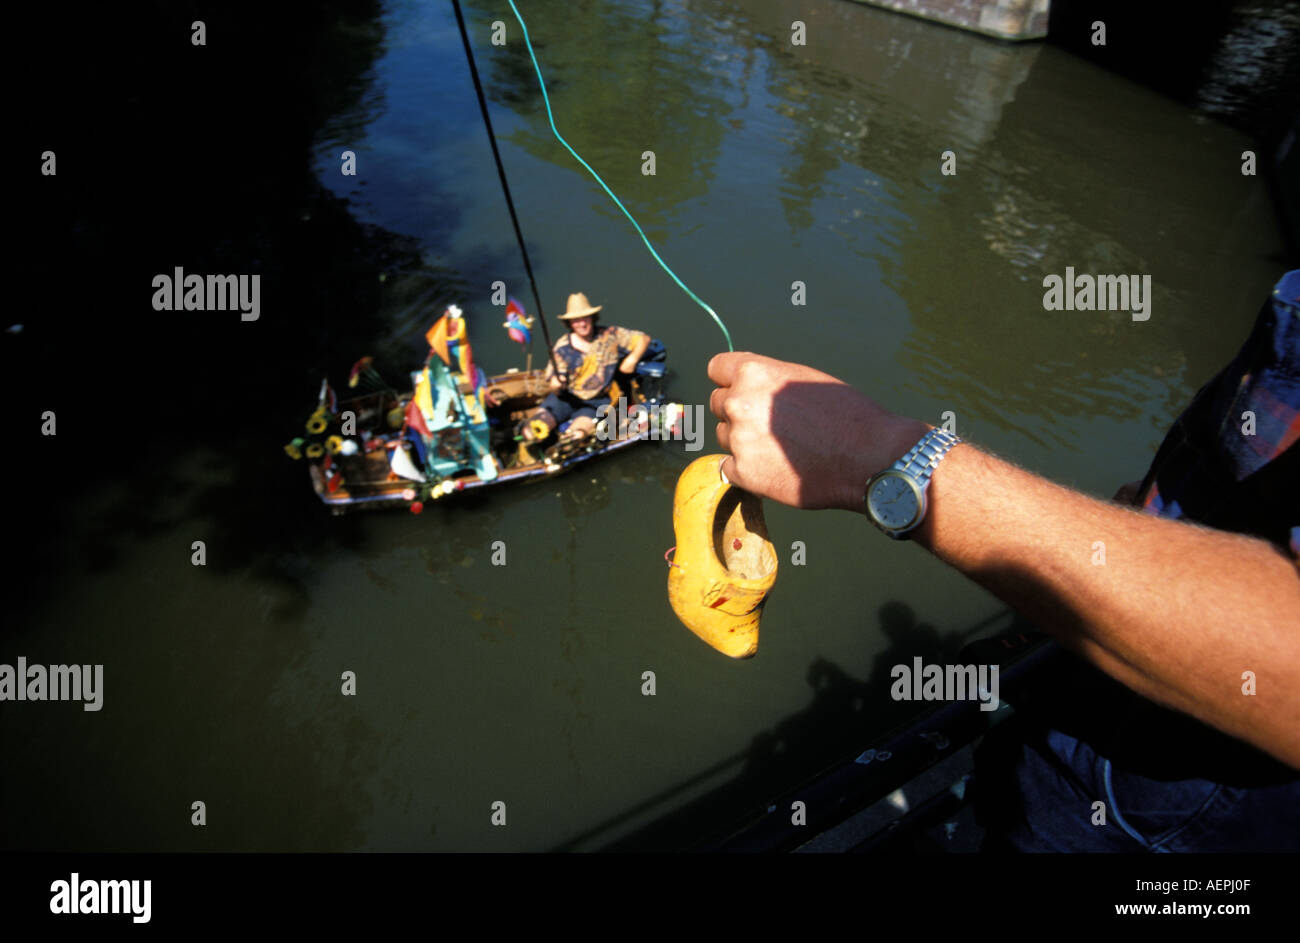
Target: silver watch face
893 501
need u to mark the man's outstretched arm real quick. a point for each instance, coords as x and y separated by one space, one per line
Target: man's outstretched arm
1177 612
638 346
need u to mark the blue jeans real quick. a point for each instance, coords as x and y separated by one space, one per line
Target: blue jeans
564 406
1036 790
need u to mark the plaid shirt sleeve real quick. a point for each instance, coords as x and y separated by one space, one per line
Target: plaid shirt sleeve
1231 460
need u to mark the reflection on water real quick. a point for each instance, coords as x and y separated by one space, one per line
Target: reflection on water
522 683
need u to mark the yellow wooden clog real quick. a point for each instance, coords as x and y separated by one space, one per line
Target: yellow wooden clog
724 565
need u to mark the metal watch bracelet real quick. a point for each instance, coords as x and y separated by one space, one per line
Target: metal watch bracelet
933 446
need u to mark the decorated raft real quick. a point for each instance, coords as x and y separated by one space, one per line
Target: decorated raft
457 429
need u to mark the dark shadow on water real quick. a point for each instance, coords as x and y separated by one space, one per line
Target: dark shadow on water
1237 61
844 714
171 155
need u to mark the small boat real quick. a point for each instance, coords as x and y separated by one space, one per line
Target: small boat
449 432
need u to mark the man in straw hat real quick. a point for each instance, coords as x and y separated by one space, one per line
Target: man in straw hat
590 357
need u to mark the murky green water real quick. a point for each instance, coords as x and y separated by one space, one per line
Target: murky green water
522 684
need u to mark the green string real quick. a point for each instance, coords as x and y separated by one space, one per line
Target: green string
551 117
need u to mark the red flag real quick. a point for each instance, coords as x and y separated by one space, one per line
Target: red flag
415 419
360 365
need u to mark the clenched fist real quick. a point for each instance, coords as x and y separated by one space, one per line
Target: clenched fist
800 436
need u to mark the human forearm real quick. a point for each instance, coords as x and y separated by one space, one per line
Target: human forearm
554 378
639 347
1174 611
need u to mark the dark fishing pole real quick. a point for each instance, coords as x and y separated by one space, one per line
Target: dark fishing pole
505 186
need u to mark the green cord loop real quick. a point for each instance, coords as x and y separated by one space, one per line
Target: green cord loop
551 117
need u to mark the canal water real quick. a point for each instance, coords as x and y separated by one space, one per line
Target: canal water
522 684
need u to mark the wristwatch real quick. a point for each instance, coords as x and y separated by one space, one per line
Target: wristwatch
895 497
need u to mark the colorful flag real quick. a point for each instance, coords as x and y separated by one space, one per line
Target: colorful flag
463 357
415 419
446 332
357 368
450 341
480 386
466 360
437 338
423 392
517 322
401 464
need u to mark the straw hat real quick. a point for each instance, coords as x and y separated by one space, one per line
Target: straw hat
579 307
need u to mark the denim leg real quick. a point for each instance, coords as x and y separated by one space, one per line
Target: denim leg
1036 791
559 407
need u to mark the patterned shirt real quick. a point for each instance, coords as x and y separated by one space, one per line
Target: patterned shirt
1231 461
590 374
